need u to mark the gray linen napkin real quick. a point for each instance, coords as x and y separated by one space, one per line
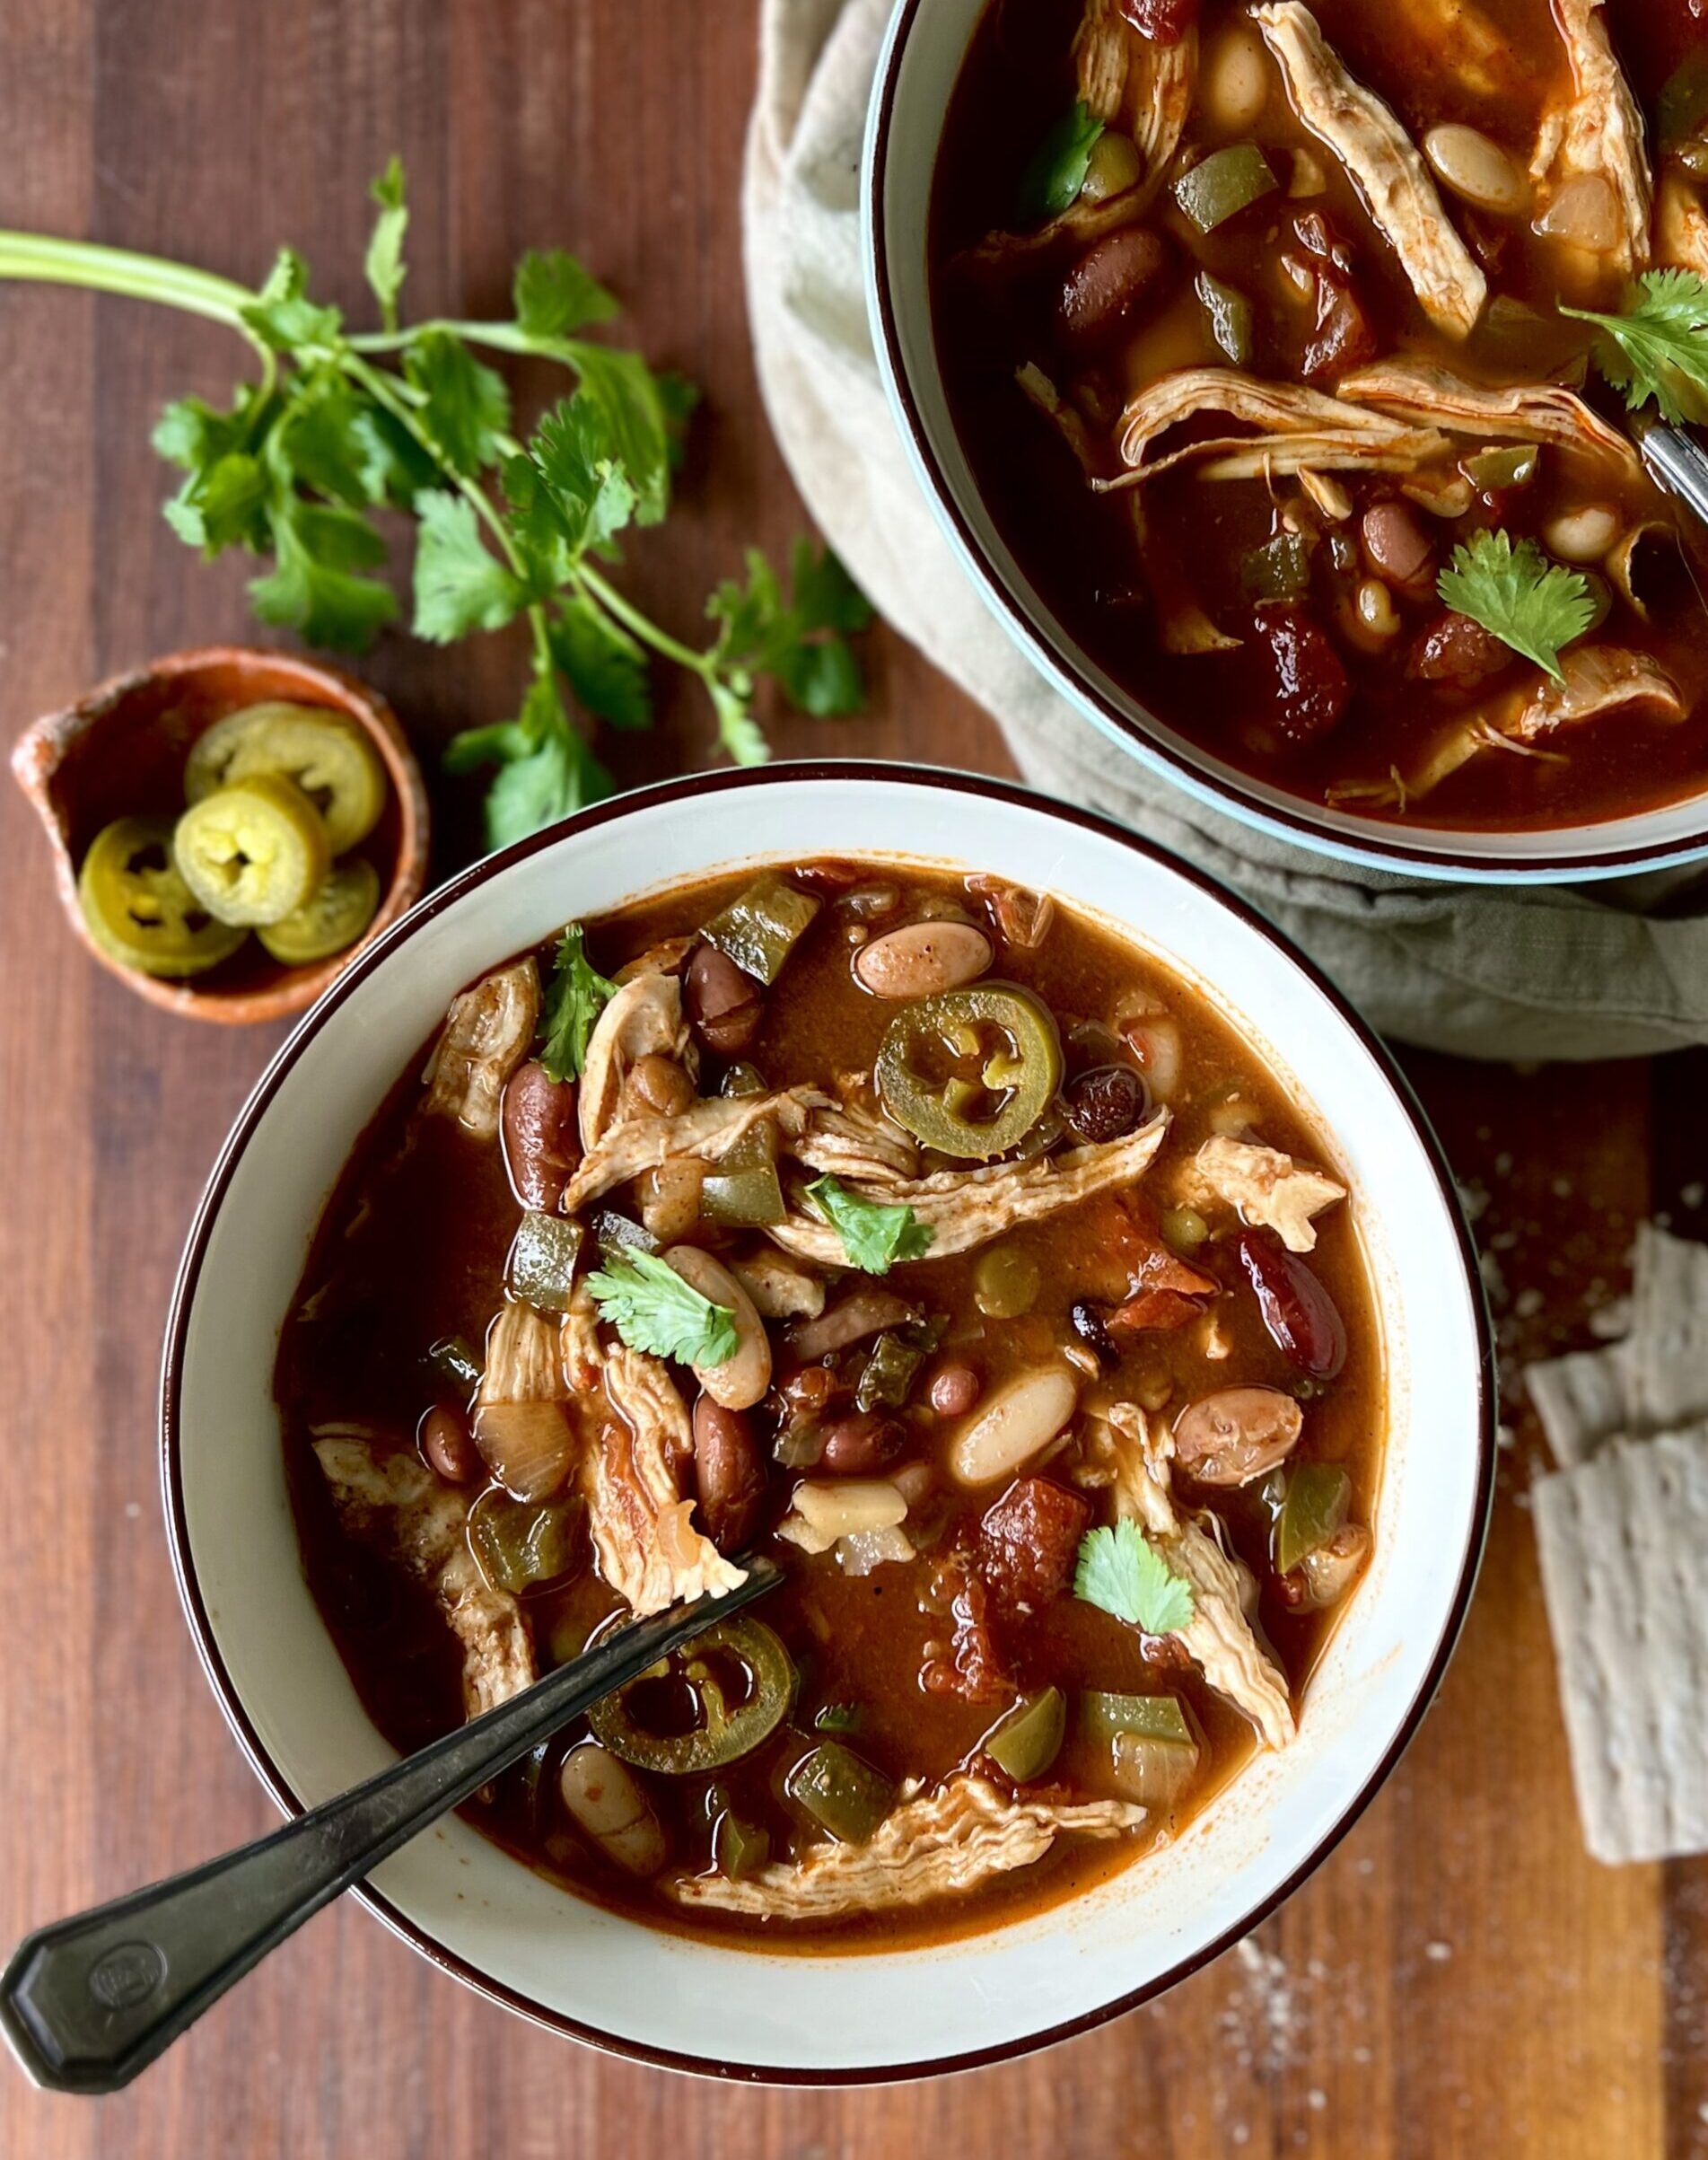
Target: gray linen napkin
1515 973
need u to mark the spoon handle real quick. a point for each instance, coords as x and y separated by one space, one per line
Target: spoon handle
89 2001
1678 461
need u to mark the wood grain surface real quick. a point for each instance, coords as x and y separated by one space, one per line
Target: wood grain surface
1457 1979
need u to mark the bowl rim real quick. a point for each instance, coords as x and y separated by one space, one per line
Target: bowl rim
856 771
1061 661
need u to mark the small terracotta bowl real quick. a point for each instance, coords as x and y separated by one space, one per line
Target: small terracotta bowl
120 752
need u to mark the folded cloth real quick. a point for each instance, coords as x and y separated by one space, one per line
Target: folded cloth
1509 972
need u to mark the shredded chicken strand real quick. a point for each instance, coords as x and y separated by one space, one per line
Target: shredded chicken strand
524 1358
1681 226
1218 1638
931 1846
1363 132
1298 427
644 1019
649 1550
967 1208
706 1131
395 1501
1268 1188
855 1144
1417 392
488 1031
1597 134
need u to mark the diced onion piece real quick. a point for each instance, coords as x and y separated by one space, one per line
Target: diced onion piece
1153 1772
526 1446
861 1550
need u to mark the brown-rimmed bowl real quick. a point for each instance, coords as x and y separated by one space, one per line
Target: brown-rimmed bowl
120 751
764 2012
918 68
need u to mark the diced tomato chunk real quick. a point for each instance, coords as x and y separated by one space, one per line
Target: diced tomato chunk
972 1668
1029 1541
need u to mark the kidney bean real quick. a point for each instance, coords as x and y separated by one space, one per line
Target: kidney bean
1106 287
1106 1103
859 1443
1301 1316
542 1148
725 1005
448 1445
1397 545
1307 685
954 1390
728 1473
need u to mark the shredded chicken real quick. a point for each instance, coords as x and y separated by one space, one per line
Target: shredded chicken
967 1208
524 1358
1681 226
855 1143
1596 136
1041 393
578 1349
1595 679
1297 428
710 1129
932 1845
1218 1638
649 1550
781 1288
1363 134
488 1032
1268 1188
665 958
394 1500
1426 396
643 1020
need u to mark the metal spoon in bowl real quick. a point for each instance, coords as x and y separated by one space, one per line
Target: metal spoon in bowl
1676 461
88 2002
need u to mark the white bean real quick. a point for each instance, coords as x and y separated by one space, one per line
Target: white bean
1236 81
739 1381
1478 169
921 959
1584 535
1015 1423
842 1507
605 1800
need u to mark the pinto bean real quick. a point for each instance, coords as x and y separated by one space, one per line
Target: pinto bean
1397 547
1237 1434
658 1086
1108 286
954 1390
920 959
542 1147
1308 688
724 1002
859 1444
728 1473
448 1445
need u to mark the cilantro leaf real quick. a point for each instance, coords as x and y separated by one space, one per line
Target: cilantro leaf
575 995
223 505
1529 603
1658 346
1057 171
327 442
383 265
603 665
553 295
314 588
627 394
459 584
465 406
738 732
874 1235
1123 1573
571 452
800 640
546 771
282 314
652 1309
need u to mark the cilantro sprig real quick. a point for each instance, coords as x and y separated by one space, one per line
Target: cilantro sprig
652 1309
1123 1573
874 1233
575 995
342 424
1657 346
1532 604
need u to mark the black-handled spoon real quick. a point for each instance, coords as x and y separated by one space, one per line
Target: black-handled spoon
87 2003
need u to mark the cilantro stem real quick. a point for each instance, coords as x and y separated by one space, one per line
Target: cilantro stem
642 626
498 337
122 271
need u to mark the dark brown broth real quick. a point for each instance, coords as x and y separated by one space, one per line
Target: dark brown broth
1079 550
412 1248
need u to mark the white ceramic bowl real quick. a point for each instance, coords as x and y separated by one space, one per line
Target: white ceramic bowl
741 2012
917 75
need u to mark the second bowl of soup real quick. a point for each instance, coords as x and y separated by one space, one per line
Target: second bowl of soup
1267 367
1024 1250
